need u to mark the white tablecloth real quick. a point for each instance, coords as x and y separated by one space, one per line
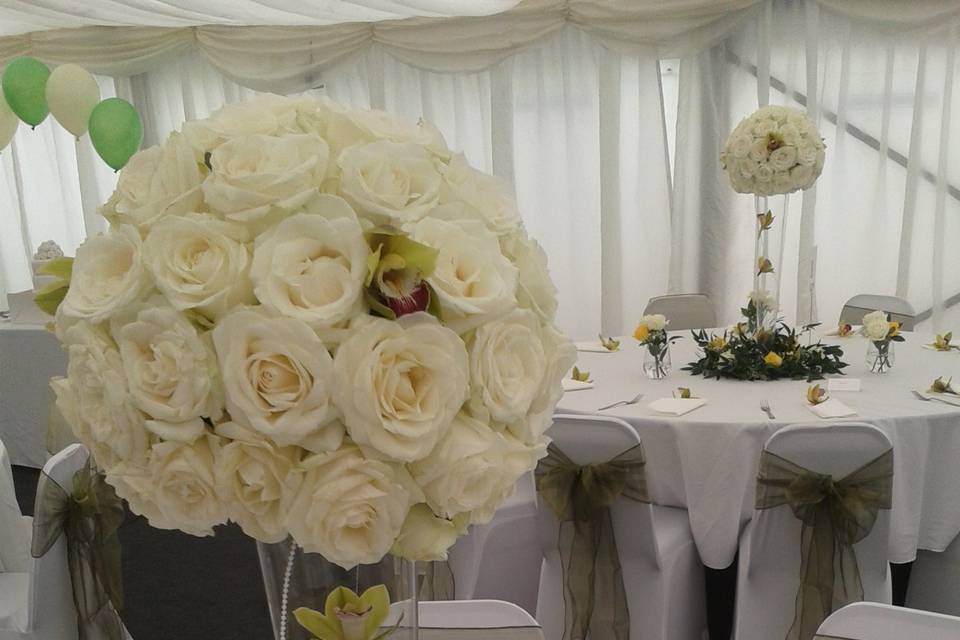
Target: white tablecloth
29 357
707 460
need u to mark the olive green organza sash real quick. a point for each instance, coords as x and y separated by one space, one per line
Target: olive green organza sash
836 514
580 496
88 517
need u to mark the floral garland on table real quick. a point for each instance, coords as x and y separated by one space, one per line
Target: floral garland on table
313 321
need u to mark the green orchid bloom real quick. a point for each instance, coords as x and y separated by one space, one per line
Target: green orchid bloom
609 343
348 616
50 296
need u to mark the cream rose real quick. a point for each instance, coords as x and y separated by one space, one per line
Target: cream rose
159 181
876 326
473 280
184 487
312 265
256 482
348 127
277 376
349 508
95 401
264 115
535 289
655 321
426 537
489 195
254 176
389 182
172 372
108 274
783 158
471 470
561 355
200 262
399 384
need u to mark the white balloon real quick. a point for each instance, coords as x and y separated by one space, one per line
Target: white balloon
72 93
8 123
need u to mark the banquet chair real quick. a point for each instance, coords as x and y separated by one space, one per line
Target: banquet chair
14 553
769 559
935 580
662 573
872 621
897 308
469 620
500 560
684 311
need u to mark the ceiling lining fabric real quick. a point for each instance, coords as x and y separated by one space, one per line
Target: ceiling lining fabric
288 59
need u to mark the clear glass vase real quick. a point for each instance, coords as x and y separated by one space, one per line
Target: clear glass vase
656 360
880 356
768 247
293 578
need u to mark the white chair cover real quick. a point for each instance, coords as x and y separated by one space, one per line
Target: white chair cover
769 565
662 573
935 581
872 621
862 304
471 620
684 311
14 528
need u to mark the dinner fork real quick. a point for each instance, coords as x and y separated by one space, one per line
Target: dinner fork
765 407
920 396
624 403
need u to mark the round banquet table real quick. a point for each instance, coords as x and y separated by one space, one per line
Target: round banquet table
706 461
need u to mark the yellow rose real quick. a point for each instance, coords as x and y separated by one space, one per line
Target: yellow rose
894 329
773 359
641 332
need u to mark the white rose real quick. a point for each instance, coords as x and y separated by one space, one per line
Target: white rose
184 487
876 326
108 274
489 195
472 470
790 134
277 379
473 280
95 401
806 153
802 176
134 484
783 158
740 145
253 177
507 365
312 265
256 481
348 508
399 384
171 371
746 167
264 115
655 321
347 127
561 355
200 262
759 151
389 182
535 289
159 181
762 298
426 537
764 127
764 173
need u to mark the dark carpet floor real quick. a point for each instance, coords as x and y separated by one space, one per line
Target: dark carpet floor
178 587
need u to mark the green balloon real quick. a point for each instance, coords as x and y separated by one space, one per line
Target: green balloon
115 131
24 87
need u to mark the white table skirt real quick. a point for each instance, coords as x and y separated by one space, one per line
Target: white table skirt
707 460
29 357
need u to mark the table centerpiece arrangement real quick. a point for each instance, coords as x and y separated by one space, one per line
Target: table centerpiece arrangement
318 323
775 151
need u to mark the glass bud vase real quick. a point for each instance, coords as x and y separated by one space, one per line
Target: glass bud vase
880 356
293 578
656 361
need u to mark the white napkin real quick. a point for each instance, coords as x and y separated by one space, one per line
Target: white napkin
843 384
943 397
569 384
832 408
594 347
677 406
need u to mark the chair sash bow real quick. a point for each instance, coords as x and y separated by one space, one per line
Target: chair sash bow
836 514
580 496
88 517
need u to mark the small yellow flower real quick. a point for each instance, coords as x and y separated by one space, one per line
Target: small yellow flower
609 343
942 342
764 266
642 332
941 386
581 376
844 330
773 359
816 395
717 344
894 329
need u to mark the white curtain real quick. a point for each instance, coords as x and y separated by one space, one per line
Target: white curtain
881 216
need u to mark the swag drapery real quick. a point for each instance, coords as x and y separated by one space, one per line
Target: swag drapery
565 99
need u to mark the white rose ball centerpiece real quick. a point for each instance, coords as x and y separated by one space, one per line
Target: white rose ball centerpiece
312 321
